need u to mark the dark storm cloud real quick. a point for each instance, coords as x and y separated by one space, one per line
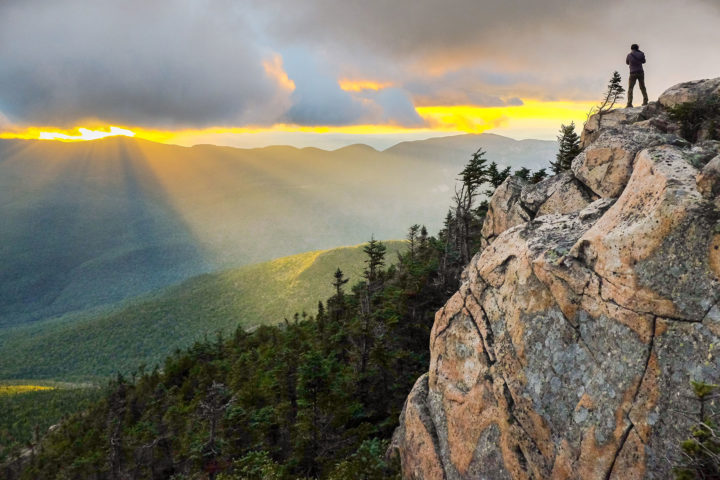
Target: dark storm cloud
318 98
563 48
134 61
200 62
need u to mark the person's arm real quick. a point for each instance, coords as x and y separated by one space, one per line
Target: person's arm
643 57
627 59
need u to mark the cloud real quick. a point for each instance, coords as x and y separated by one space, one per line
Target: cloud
196 63
130 62
552 49
319 99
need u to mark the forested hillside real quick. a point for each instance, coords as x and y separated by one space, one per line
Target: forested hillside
93 223
146 330
316 397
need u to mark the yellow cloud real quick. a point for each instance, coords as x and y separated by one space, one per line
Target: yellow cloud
474 119
533 119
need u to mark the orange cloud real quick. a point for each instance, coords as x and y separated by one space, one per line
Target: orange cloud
360 85
274 69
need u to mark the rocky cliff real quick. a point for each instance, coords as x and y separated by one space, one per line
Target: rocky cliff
568 351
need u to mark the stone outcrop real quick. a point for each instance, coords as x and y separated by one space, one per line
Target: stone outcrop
689 92
568 350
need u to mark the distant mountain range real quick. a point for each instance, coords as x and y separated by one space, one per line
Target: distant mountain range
93 223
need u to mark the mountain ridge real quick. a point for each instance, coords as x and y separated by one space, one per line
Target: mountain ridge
79 215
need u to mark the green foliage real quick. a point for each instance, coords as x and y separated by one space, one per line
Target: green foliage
26 415
146 330
475 173
464 221
701 452
313 397
694 117
307 393
569 148
530 176
375 252
538 176
495 177
613 94
368 463
253 466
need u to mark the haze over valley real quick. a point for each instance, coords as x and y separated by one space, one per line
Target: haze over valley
92 223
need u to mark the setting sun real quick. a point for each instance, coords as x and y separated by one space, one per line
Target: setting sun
85 134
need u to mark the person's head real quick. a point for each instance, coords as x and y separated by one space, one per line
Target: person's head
634 46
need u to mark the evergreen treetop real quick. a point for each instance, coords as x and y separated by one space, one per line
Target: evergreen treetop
569 148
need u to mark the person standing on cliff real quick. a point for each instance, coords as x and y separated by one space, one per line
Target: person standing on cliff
635 59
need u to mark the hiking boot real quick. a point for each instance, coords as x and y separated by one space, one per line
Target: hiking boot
645 102
629 105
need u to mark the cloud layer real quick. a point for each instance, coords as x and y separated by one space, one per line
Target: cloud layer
195 63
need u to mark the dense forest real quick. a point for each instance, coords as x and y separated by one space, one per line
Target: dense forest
27 414
316 397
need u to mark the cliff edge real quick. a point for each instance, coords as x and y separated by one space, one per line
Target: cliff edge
569 348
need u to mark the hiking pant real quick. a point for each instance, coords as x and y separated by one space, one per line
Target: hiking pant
637 77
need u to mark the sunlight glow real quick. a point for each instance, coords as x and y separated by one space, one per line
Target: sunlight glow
533 119
71 135
533 115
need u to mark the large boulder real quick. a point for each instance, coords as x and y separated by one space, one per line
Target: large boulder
557 194
606 164
613 119
568 351
708 181
504 209
689 92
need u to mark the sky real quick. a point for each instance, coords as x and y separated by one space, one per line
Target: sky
329 73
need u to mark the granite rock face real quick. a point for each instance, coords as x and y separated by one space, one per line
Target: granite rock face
568 350
689 92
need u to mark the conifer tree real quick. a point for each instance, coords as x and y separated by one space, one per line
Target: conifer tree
423 237
523 173
339 282
538 176
472 177
569 148
412 238
613 94
375 250
495 177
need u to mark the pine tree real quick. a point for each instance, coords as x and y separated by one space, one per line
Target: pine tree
613 94
538 176
412 238
569 148
375 250
495 177
475 173
472 177
523 173
339 282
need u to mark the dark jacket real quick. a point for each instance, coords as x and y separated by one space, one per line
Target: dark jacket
635 59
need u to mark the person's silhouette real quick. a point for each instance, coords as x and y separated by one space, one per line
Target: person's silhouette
635 59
